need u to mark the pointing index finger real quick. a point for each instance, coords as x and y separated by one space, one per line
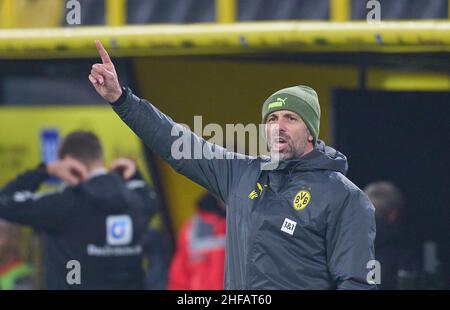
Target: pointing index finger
102 52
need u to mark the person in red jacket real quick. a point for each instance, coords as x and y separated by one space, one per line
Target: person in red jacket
199 260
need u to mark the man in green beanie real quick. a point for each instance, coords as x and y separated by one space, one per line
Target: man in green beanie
300 225
292 116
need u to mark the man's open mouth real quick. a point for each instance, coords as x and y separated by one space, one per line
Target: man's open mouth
280 140
280 144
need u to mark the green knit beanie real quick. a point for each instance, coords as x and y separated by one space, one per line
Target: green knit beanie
300 99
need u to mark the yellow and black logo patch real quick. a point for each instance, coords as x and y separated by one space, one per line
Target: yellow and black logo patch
301 200
255 194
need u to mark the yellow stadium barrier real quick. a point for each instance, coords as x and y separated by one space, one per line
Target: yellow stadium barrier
238 38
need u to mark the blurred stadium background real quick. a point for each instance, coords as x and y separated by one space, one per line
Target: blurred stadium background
384 87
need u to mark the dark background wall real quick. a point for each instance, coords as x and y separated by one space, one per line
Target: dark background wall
402 137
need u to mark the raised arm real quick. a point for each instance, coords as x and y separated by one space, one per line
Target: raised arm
19 203
206 164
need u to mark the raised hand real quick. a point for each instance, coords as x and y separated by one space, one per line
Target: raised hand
104 77
124 166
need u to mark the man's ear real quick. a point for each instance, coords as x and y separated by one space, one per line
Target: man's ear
310 138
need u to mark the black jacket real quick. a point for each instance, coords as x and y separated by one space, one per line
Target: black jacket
303 225
99 223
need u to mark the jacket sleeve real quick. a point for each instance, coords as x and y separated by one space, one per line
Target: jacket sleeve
205 163
350 242
19 203
28 181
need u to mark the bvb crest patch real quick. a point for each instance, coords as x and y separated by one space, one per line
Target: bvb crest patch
301 200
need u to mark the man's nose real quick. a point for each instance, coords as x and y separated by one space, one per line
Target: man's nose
281 125
278 128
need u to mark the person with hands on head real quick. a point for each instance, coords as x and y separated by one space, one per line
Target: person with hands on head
294 221
97 218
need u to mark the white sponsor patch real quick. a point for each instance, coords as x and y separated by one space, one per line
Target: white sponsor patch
119 230
288 226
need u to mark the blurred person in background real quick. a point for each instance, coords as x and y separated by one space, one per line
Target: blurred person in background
199 260
390 245
15 274
97 219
